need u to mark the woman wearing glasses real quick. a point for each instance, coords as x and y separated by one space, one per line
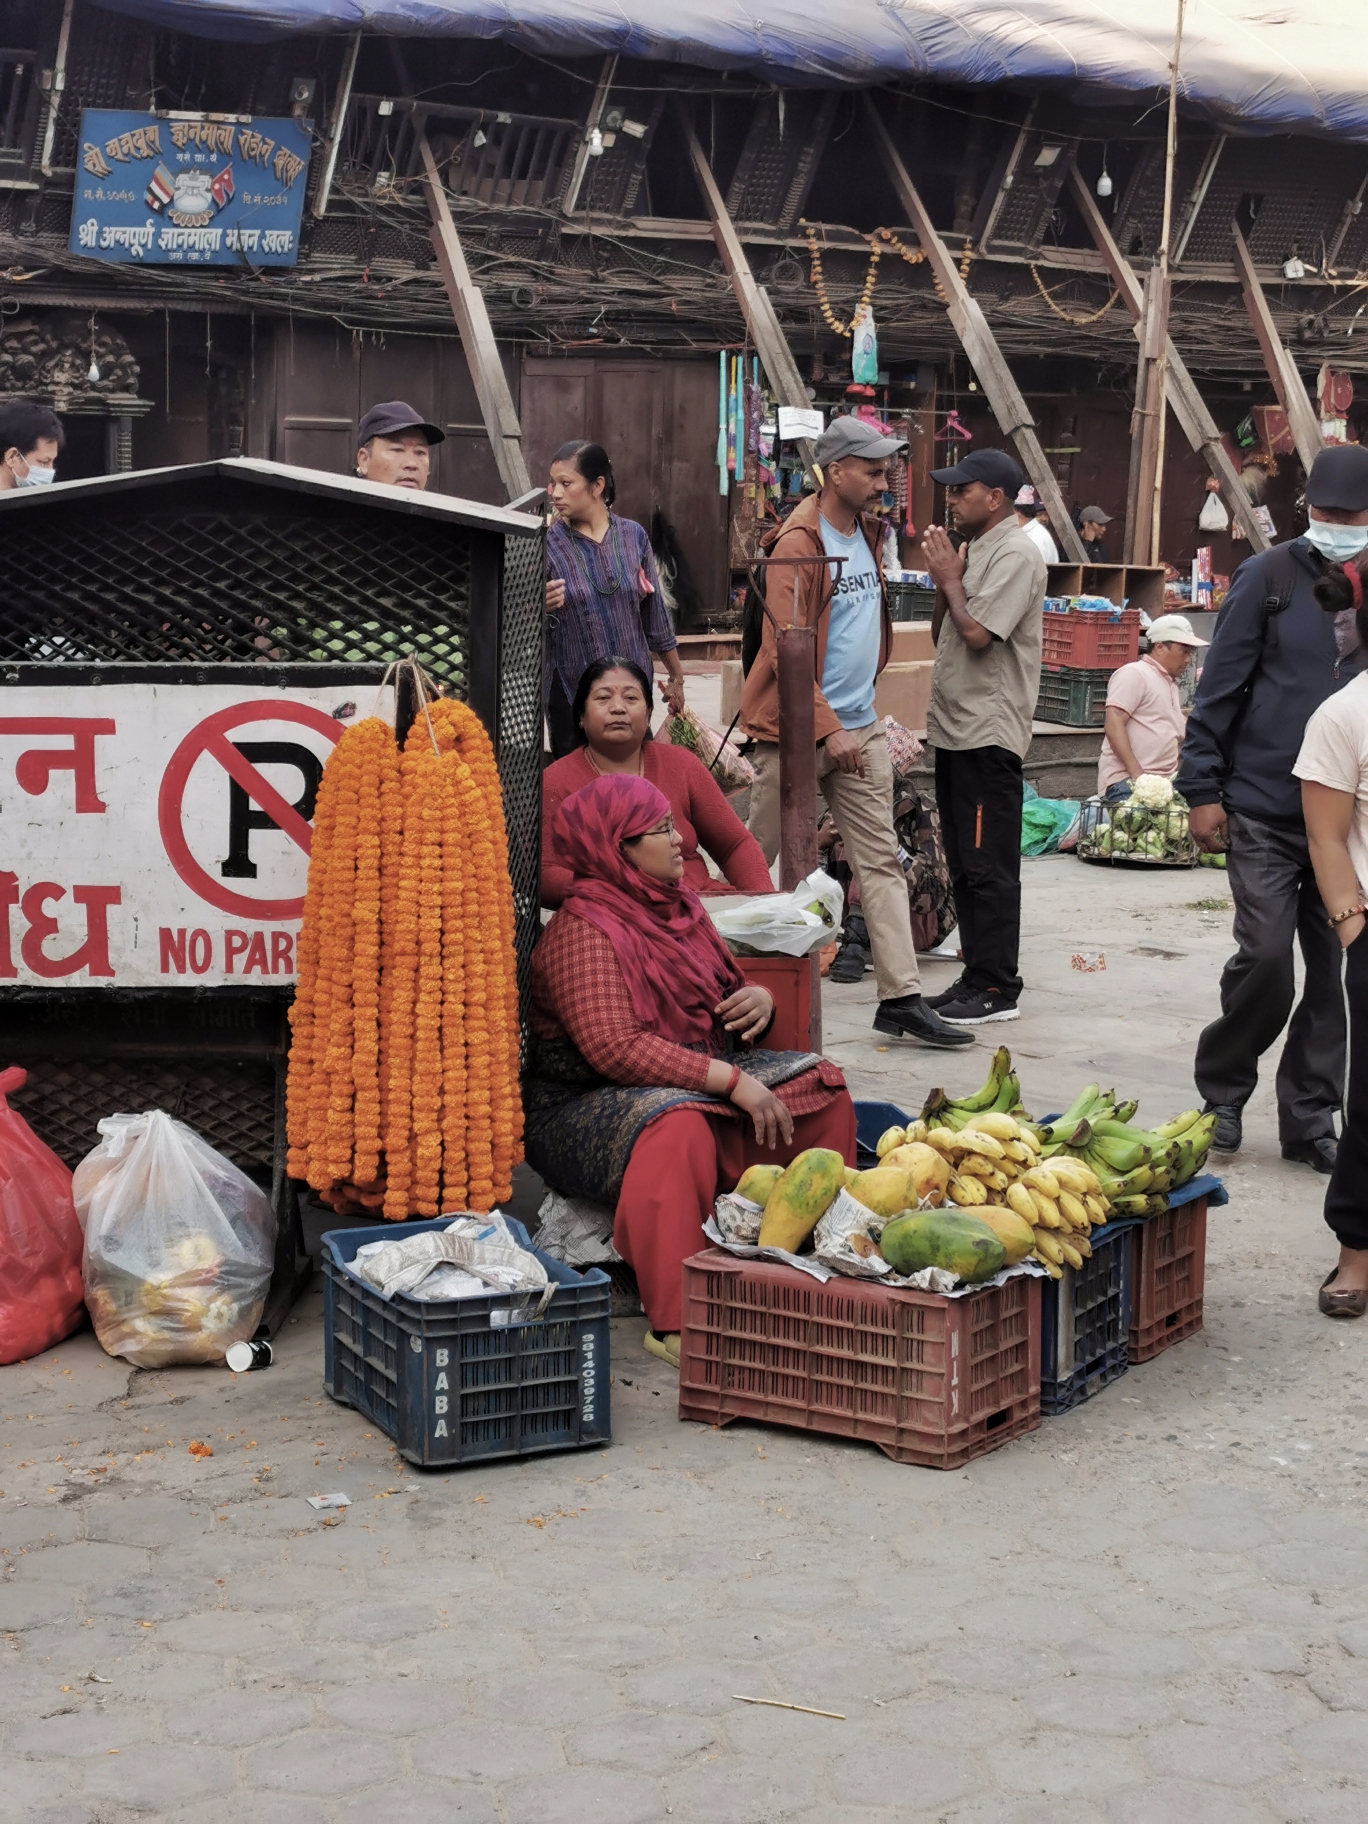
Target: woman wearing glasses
645 1091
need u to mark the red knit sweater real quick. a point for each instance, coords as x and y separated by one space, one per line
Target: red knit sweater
701 815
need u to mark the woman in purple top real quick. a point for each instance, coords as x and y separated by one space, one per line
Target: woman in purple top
602 591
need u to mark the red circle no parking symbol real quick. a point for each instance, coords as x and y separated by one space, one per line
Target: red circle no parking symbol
210 738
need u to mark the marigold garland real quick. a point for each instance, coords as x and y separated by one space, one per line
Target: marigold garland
402 1093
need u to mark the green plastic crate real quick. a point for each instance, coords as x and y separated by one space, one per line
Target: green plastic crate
1072 696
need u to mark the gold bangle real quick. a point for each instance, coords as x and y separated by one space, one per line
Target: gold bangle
1341 918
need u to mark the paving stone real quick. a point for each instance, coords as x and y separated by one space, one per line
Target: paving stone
150 1520
888 1772
486 1753
1319 1798
418 1802
1059 1763
634 1739
148 1775
1185 1802
563 1698
326 1762
984 1666
237 1719
82 1564
399 1706
1258 1650
1112 1706
71 1725
731 1792
700 1687
1332 1744
1353 1637
27 1786
223 1632
1127 1655
1223 1756
581 1793
1342 1686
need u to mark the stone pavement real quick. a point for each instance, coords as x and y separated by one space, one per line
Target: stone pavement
1153 1609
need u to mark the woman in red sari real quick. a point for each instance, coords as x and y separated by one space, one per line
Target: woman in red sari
646 1089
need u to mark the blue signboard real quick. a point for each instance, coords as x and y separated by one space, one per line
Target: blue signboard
189 190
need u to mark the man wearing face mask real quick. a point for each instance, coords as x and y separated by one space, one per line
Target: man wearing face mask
1275 657
31 438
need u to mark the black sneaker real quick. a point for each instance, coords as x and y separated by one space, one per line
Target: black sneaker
1319 1153
978 1007
946 995
909 1017
1228 1133
852 959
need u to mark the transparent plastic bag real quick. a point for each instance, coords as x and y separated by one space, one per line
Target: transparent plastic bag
179 1243
789 924
723 758
40 1239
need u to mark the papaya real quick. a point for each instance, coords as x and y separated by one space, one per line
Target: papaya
1013 1231
799 1200
884 1189
928 1169
851 1174
957 1241
758 1181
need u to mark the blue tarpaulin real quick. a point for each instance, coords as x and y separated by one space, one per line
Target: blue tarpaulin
1301 66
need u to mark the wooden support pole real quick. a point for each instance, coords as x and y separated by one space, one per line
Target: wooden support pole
1189 408
1282 369
775 354
1142 508
335 126
477 337
979 343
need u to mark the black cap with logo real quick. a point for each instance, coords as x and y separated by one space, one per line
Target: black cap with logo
994 468
392 419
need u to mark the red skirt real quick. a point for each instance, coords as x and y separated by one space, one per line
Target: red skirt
679 1165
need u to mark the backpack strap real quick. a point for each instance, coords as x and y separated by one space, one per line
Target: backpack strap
1280 577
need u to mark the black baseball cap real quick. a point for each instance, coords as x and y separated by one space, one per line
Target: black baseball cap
392 418
1338 481
994 468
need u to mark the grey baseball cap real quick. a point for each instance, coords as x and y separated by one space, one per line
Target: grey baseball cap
1095 516
856 437
392 418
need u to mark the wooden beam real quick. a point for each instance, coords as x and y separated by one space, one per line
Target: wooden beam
1141 542
339 118
1282 369
979 343
1188 406
775 354
477 337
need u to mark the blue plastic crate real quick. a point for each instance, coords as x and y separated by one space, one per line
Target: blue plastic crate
449 1382
1085 1322
871 1120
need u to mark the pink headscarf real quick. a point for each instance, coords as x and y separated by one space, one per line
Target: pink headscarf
675 965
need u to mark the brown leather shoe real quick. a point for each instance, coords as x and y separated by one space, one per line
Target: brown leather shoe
1346 1303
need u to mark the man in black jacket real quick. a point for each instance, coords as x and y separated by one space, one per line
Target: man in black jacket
1275 657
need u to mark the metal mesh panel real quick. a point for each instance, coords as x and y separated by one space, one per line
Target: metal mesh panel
775 170
520 737
231 1104
302 582
1302 185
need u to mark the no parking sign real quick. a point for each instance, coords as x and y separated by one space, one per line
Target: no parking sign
158 834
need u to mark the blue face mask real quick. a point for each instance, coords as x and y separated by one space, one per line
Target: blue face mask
36 477
1337 543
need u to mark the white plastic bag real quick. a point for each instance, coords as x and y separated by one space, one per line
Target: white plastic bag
789 924
575 1231
1213 516
179 1243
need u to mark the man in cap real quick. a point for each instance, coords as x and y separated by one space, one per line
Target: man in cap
1145 723
854 637
987 630
394 444
1030 516
1275 657
1092 523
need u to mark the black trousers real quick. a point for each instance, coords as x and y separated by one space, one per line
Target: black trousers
978 795
1277 903
1346 1201
560 722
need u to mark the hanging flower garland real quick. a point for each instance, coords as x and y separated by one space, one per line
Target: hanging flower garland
402 1094
881 241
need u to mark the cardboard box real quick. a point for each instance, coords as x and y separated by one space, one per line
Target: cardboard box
911 640
731 692
904 692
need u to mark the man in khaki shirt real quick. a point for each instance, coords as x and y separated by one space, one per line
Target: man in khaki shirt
987 632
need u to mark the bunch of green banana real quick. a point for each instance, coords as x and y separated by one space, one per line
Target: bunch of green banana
1137 1168
1000 1094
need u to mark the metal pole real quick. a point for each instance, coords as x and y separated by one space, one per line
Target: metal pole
1161 364
796 667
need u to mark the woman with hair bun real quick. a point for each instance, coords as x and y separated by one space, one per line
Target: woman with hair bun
1333 769
602 591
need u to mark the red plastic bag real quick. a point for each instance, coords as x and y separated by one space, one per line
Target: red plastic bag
41 1299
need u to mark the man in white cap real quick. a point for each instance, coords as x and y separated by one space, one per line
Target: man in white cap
854 638
1145 721
1029 516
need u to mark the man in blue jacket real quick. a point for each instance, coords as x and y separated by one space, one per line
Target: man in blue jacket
1275 657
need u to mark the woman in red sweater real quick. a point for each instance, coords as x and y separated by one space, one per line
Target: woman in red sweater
646 1089
613 714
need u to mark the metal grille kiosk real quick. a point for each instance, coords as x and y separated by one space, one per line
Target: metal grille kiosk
179 650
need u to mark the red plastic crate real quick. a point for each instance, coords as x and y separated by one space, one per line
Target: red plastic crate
1090 641
1167 1277
930 1380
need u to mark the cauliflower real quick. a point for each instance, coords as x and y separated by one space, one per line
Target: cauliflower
1153 791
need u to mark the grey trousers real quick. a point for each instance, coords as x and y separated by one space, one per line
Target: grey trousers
1277 902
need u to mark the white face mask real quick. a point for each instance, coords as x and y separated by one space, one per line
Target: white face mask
1338 543
36 477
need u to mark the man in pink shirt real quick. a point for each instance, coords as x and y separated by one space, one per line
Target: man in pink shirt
1145 721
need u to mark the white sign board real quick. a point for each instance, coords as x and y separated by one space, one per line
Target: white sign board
795 423
157 835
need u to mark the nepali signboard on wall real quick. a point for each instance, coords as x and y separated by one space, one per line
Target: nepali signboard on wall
189 190
157 835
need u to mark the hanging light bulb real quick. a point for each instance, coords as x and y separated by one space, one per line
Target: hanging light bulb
596 143
1104 183
93 371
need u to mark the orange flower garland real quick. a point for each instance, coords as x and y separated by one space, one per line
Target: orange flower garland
403 1078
